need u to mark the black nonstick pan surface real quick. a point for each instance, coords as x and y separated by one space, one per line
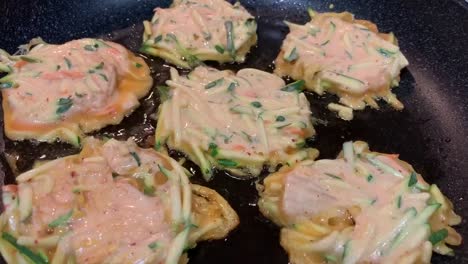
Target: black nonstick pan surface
431 132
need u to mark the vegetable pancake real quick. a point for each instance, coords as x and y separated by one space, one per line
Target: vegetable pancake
190 32
363 207
112 203
237 122
63 91
338 54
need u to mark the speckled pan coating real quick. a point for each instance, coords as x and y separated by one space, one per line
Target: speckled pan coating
431 133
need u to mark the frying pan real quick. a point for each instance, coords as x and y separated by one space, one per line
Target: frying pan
431 132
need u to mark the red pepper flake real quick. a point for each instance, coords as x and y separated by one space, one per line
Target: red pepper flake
73 174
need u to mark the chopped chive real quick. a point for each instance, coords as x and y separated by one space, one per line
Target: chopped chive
78 141
138 65
153 245
283 126
219 49
296 86
300 145
33 257
330 259
214 83
385 52
158 38
227 163
100 66
412 180
79 95
63 105
136 158
399 201
230 38
313 31
280 119
370 178
213 149
438 236
172 37
61 220
293 55
231 87
256 104
373 201
68 62
30 59
104 77
90 47
325 43
148 190
333 176
7 85
247 136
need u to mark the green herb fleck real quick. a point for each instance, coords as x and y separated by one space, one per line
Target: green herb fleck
296 86
61 220
79 95
68 62
213 149
231 87
214 83
398 202
227 163
100 66
333 176
256 104
438 236
385 52
136 158
412 180
91 47
153 245
148 190
104 77
370 178
325 43
63 105
158 38
330 259
280 119
293 55
249 22
6 85
138 65
219 49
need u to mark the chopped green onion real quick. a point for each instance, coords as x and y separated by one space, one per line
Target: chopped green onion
412 180
227 163
100 66
79 95
280 119
325 43
136 157
104 77
296 86
138 65
68 62
214 83
438 236
35 258
231 87
213 148
385 52
64 104
249 22
399 201
333 176
153 245
256 104
370 178
219 49
61 220
313 31
230 38
293 55
330 259
7 85
158 38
